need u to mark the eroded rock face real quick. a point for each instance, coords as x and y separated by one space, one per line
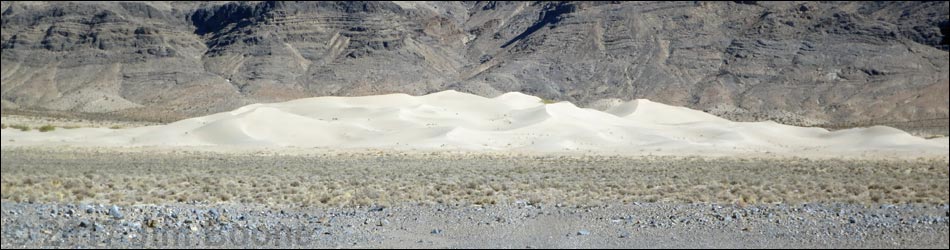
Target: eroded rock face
799 63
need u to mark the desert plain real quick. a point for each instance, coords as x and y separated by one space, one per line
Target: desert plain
454 170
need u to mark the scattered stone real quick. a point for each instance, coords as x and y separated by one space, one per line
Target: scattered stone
624 235
139 221
115 213
153 223
214 214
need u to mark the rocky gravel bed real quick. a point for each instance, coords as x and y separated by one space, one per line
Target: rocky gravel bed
518 225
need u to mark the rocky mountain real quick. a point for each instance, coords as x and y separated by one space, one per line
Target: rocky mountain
803 63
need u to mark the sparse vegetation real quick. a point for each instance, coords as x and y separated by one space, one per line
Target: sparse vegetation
71 123
23 128
548 101
387 179
46 128
3 126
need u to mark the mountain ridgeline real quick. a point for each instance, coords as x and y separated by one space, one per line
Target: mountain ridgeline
803 63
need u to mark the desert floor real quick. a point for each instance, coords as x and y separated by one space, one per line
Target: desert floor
85 197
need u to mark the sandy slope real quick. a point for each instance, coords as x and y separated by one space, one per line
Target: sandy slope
511 122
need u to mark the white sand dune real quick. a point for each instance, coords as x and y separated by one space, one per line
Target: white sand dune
511 122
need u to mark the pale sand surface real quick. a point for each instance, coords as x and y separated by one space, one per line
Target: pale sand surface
510 123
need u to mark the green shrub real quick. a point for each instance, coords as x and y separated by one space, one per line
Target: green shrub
548 101
116 127
21 127
47 128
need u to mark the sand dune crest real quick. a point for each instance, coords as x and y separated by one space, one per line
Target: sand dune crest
451 120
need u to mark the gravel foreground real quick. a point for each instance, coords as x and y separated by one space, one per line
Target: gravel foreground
109 199
517 226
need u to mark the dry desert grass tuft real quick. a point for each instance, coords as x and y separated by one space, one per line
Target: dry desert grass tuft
548 101
69 123
391 179
21 127
25 128
46 128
